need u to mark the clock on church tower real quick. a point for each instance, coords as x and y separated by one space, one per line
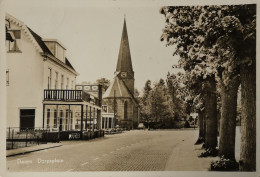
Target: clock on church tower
123 74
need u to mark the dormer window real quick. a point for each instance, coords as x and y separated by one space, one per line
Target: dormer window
56 48
15 45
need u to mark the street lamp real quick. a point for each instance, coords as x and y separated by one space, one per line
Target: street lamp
114 109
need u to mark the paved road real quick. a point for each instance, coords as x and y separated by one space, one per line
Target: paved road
130 151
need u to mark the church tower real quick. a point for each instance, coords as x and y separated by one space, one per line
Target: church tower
119 98
124 68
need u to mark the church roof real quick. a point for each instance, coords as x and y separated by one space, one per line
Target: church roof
124 62
120 89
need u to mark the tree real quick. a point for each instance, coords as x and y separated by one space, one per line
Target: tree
247 59
158 105
201 33
196 102
137 93
234 46
104 82
145 108
177 92
182 30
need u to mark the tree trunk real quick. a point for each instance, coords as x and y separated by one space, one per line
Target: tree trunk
228 119
201 125
201 128
248 117
210 112
204 126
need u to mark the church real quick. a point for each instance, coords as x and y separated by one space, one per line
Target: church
119 97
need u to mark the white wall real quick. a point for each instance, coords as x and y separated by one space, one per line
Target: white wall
28 77
25 82
61 71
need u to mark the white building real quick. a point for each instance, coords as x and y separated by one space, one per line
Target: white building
41 82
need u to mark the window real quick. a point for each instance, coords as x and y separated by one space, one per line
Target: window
61 120
67 120
61 82
49 78
72 84
14 46
27 119
67 86
71 119
17 34
125 110
104 108
55 118
7 77
56 80
48 117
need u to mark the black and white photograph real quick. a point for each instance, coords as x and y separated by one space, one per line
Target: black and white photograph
129 88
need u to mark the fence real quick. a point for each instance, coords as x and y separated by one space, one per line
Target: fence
19 138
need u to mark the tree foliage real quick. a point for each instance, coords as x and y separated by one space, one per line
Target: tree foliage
104 82
162 103
218 42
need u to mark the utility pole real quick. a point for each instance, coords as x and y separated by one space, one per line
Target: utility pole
114 109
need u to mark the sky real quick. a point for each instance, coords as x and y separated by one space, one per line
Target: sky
91 33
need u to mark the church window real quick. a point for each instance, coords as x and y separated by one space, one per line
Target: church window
125 110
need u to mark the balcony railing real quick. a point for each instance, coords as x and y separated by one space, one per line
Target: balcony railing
69 95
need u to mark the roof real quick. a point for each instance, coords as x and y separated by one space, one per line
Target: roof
119 88
124 62
45 49
67 62
38 39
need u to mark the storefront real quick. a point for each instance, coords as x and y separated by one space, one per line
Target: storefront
71 110
108 121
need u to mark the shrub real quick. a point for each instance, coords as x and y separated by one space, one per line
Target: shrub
186 125
178 124
224 165
209 152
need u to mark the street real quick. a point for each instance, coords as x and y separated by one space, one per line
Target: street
138 150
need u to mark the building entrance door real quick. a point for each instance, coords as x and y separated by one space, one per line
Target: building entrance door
27 119
60 126
60 121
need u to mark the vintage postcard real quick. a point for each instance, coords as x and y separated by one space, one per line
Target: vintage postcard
127 88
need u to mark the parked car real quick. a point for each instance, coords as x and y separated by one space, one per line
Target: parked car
141 126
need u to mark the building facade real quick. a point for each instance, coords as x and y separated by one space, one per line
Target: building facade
119 97
41 83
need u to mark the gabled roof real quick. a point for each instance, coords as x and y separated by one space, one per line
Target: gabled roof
36 39
45 48
67 62
120 89
124 62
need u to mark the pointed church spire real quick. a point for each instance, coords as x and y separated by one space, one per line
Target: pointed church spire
124 62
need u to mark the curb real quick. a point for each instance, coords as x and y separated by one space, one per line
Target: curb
35 150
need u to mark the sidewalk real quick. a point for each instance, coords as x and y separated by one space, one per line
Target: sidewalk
21 151
184 157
